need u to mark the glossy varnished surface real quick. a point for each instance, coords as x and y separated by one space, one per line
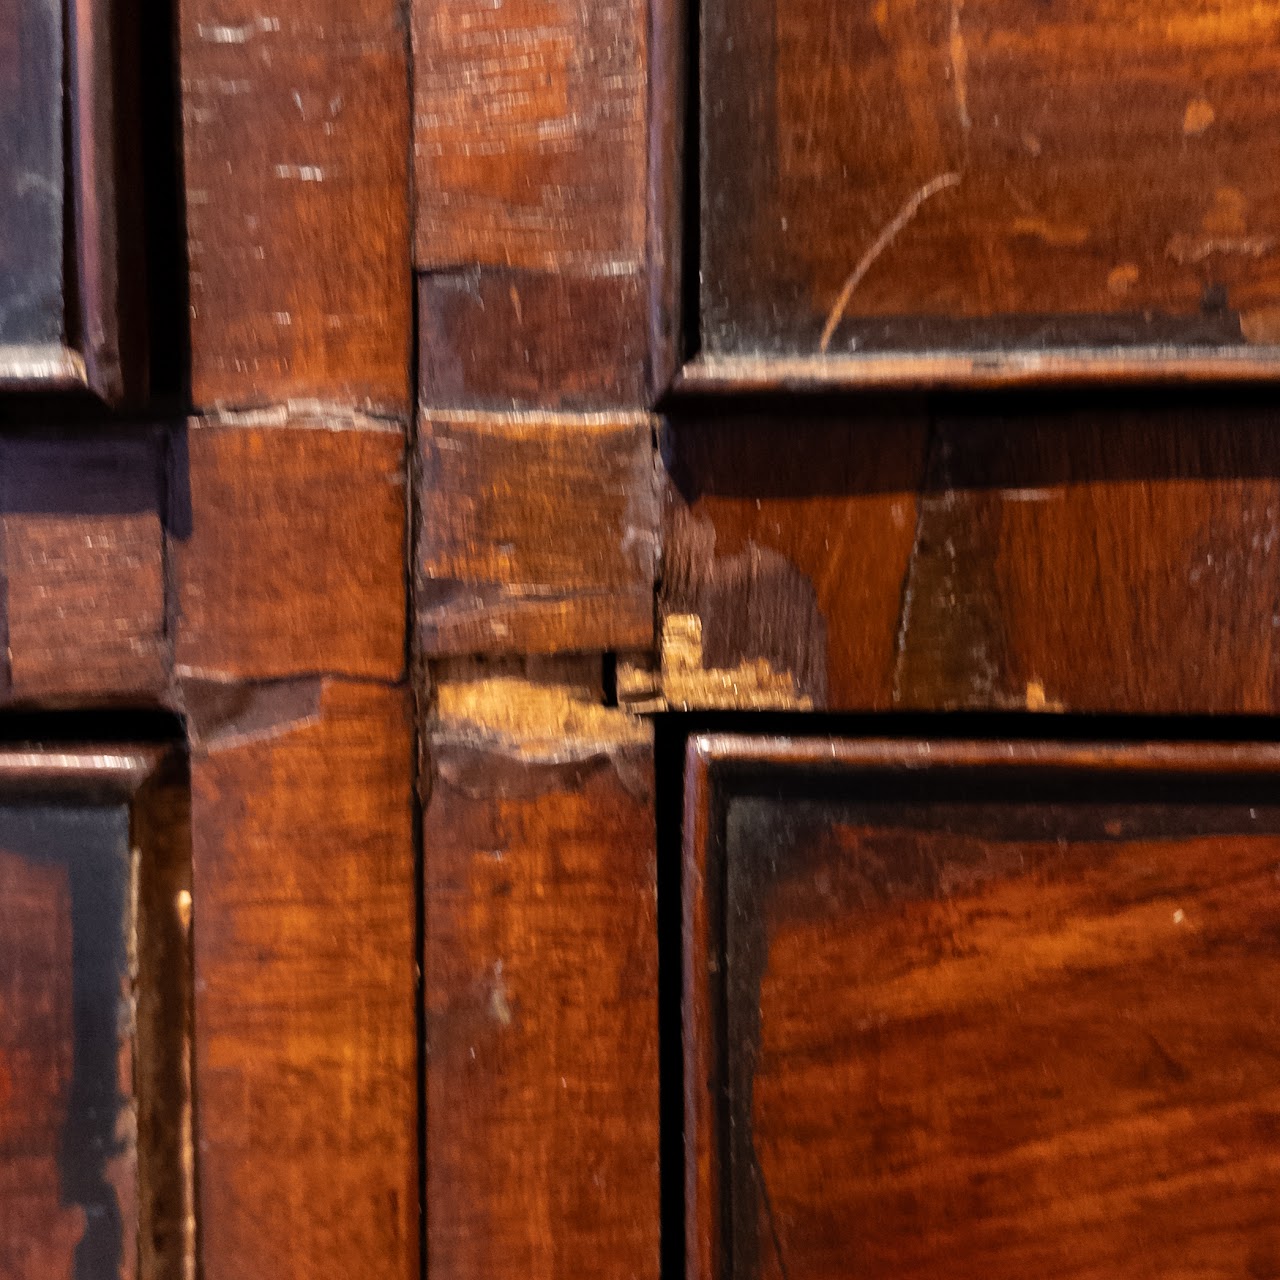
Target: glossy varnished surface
987 175
971 1011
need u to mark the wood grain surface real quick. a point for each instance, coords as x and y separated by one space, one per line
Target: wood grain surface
990 1010
540 976
986 175
303 854
82 550
537 533
1093 555
95 1164
293 561
296 140
532 196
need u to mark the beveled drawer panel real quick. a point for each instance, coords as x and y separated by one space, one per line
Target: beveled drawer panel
978 1010
996 179
95 1158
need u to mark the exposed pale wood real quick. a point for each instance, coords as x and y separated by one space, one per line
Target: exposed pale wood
784 554
540 974
537 533
716 374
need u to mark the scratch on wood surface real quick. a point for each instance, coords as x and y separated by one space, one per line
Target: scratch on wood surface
882 242
1187 250
959 66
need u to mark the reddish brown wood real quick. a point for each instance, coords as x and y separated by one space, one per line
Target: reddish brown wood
94 1126
987 1009
296 129
537 533
304 1032
1091 558
540 973
83 565
787 548
503 339
984 176
532 194
293 562
1117 561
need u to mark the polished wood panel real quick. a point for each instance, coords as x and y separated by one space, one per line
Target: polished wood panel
783 563
82 552
510 339
532 204
296 133
964 1009
302 820
538 533
292 558
987 176
70 264
95 1171
1090 556
540 979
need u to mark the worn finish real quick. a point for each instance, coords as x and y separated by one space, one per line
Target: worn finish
1089 558
537 533
296 132
293 560
1096 561
507 339
93 1130
532 187
81 546
304 1031
540 975
783 563
986 1010
980 175
32 190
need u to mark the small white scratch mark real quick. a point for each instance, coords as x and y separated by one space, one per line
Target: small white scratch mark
224 35
301 172
959 66
882 242
1179 916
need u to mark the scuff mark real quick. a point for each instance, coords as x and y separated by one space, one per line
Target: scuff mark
1198 117
1122 278
499 1005
1187 250
959 66
886 237
1055 234
1261 325
226 714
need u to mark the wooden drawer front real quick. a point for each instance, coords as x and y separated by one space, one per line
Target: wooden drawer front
989 175
92 1057
68 136
960 1010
